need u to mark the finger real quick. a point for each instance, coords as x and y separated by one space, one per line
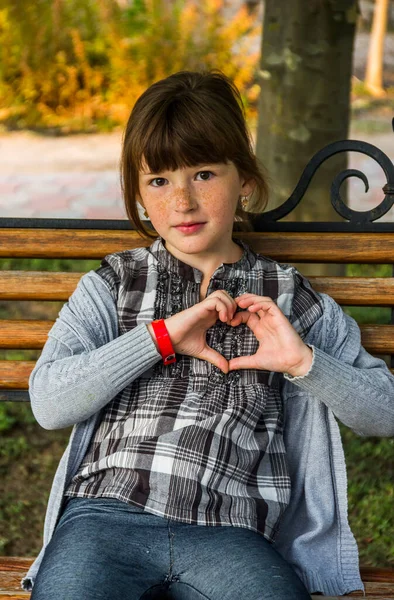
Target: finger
249 299
250 319
228 301
263 307
240 317
214 358
237 320
216 304
224 310
243 362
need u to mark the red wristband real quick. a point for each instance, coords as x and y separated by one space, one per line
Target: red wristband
163 340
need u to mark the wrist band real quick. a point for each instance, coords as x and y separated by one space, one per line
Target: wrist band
163 340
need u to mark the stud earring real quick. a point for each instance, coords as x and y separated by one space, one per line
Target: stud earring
146 214
244 202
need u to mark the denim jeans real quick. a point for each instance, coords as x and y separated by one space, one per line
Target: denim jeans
105 549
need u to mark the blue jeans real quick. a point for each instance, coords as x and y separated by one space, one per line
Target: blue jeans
105 549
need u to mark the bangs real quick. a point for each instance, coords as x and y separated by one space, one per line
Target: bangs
182 135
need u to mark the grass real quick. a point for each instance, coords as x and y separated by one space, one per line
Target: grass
371 496
29 454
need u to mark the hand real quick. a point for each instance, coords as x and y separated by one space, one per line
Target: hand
281 349
187 329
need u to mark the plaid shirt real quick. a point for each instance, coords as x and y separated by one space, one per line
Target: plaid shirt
186 441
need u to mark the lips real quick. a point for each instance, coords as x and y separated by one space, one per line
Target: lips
189 227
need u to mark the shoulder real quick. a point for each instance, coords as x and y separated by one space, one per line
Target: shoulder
118 265
126 259
296 298
336 331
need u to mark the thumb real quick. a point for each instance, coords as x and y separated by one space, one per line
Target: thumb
214 358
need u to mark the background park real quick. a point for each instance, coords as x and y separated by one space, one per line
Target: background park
70 71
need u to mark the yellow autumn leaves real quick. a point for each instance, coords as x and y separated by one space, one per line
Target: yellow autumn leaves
84 71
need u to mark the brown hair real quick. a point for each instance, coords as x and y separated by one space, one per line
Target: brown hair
186 119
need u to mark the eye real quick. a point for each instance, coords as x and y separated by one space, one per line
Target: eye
204 175
158 179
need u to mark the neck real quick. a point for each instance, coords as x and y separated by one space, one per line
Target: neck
208 262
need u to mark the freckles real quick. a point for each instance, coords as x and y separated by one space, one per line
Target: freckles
157 207
216 202
162 207
207 198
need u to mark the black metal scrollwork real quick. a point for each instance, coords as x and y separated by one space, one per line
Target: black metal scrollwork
354 216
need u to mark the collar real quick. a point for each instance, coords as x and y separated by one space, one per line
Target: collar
224 271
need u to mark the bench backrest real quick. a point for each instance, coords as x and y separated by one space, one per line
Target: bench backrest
357 241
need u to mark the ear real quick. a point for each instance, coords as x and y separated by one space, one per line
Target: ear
248 186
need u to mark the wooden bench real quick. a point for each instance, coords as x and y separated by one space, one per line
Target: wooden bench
356 241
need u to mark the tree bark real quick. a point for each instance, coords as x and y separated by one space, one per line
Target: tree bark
374 71
305 77
305 80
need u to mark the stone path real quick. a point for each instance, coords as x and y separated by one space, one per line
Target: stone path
67 177
78 176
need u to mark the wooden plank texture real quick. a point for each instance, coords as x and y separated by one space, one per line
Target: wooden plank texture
15 334
379 583
325 248
342 247
31 334
12 569
357 291
37 285
14 374
42 285
66 243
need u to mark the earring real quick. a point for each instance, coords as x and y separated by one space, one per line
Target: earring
146 214
244 202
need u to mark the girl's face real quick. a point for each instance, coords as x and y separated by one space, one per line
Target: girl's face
193 208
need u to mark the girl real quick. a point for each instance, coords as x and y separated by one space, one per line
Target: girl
203 381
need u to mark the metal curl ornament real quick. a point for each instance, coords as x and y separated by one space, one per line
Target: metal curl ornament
354 216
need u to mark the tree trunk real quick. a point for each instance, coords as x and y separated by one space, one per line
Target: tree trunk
305 78
374 71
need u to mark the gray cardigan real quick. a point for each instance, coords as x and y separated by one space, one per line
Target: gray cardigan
84 364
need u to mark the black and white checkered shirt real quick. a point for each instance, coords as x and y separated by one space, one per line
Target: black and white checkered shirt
186 441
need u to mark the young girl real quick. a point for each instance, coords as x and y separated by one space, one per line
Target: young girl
203 381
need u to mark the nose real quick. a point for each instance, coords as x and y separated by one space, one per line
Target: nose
184 199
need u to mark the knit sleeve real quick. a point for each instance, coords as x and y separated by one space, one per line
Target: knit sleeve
306 305
356 386
85 363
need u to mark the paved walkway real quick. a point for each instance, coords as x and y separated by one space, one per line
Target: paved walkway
78 176
60 177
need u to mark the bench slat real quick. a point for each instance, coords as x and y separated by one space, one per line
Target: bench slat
14 374
356 291
379 583
14 334
340 247
43 285
369 248
378 574
16 595
368 596
37 285
25 335
378 339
